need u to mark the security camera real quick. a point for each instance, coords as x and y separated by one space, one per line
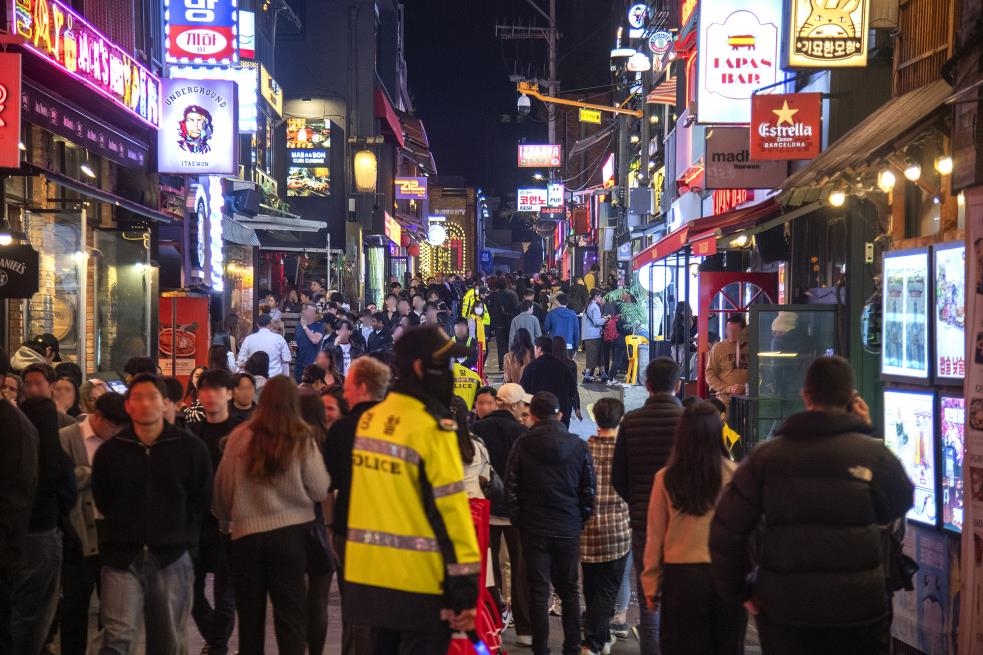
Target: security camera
524 105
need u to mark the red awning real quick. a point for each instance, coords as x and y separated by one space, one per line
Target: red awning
702 233
384 111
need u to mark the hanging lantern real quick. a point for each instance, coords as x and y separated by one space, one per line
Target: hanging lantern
366 171
413 250
405 240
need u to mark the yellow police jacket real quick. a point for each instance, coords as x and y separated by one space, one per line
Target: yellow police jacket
412 548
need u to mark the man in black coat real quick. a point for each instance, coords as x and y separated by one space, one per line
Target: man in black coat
824 489
550 492
645 440
380 339
503 306
547 373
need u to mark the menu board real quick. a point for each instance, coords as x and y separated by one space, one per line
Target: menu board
952 427
905 318
909 424
950 312
308 158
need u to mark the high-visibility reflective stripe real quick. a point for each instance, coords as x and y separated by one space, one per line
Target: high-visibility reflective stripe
464 569
448 489
398 541
382 447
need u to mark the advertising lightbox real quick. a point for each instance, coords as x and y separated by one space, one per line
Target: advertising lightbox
198 122
308 158
738 54
905 315
950 312
245 75
10 101
539 156
531 200
729 164
909 428
786 126
201 31
820 36
411 188
952 429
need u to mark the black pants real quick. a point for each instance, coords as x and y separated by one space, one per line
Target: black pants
214 623
695 620
552 559
355 639
396 642
273 563
502 342
601 584
779 639
520 580
79 578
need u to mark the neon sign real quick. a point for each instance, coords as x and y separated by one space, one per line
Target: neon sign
62 37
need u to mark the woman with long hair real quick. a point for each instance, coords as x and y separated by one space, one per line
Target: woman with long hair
258 366
66 396
270 476
677 554
292 302
321 560
89 392
193 411
219 357
13 388
561 353
333 401
477 465
519 355
326 362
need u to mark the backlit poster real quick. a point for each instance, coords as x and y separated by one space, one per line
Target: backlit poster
909 429
950 312
200 31
905 315
831 34
308 158
952 429
198 127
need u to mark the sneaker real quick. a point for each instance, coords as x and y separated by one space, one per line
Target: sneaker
620 630
556 607
507 618
523 640
608 646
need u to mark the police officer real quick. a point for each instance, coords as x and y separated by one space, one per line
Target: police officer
412 559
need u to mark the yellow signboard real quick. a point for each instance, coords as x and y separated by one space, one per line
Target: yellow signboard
270 90
830 34
590 116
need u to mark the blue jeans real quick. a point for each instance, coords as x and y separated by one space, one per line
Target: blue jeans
162 595
34 590
648 625
623 600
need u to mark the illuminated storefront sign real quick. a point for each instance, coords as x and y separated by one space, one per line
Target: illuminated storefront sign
729 164
607 172
197 133
638 15
201 31
246 77
686 10
786 126
539 156
411 188
394 232
247 34
823 37
308 158
554 195
738 53
270 90
10 99
216 256
592 116
531 200
62 37
726 199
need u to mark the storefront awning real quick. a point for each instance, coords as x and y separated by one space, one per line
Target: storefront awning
97 194
416 143
235 232
875 133
281 223
702 233
385 112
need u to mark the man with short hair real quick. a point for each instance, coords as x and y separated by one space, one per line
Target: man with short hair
81 566
152 483
430 315
172 403
38 379
344 350
462 337
563 322
547 373
484 402
269 342
308 336
503 305
136 365
215 622
380 339
816 496
537 309
550 494
727 365
525 319
645 439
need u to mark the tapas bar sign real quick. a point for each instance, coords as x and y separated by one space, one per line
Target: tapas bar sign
59 35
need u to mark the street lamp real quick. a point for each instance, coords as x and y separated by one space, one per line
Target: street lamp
538 177
366 171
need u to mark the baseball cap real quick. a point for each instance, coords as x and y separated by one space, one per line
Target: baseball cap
427 343
511 393
264 320
544 405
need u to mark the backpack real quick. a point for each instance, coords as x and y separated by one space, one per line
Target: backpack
610 332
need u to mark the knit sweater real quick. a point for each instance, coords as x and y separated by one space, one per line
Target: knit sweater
245 505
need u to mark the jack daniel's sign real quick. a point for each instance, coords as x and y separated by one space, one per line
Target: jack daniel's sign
18 271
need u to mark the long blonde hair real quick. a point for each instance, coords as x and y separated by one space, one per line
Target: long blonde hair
278 431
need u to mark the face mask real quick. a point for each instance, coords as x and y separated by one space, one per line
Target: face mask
439 382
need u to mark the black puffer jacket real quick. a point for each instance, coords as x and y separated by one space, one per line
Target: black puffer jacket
645 440
499 431
550 483
824 489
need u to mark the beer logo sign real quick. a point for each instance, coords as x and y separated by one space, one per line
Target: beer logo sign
827 33
786 126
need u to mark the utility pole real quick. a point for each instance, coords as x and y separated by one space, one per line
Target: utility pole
551 35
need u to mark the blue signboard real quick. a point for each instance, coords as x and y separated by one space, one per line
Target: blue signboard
201 31
485 262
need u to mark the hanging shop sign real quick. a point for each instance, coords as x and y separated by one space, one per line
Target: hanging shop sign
822 37
10 110
19 271
638 15
270 90
411 188
687 9
201 31
245 75
539 156
786 126
392 229
554 195
607 172
738 54
660 42
82 129
247 35
531 200
592 116
308 158
54 31
197 133
729 164
639 63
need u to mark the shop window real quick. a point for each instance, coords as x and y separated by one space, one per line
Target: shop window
124 288
922 214
239 281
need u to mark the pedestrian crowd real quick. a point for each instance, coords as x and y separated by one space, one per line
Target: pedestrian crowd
349 454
